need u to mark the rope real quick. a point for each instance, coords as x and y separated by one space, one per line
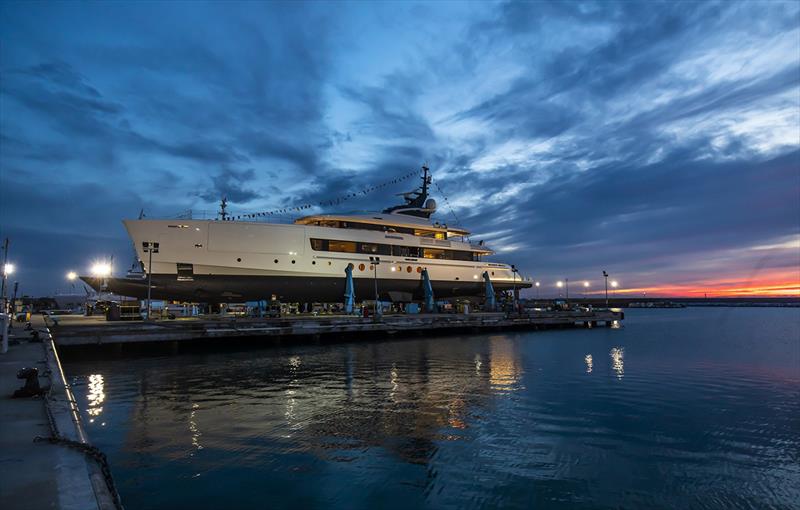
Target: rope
90 451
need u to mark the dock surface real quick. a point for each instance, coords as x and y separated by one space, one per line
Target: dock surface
77 331
40 474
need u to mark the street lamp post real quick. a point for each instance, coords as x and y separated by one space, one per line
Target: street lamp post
585 287
375 261
8 270
5 274
149 247
537 290
566 284
614 285
605 275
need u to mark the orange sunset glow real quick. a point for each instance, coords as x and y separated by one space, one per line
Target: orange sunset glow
778 284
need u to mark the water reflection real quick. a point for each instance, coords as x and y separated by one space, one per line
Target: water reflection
327 401
617 362
96 396
393 382
504 363
193 429
473 421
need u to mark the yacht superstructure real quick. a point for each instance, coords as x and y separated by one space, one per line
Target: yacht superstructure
223 261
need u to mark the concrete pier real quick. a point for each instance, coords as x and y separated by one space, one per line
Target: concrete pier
43 474
77 331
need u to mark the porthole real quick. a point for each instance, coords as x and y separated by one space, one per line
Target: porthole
276 261
293 262
239 259
400 268
492 273
457 278
419 269
313 262
371 267
408 269
361 267
330 263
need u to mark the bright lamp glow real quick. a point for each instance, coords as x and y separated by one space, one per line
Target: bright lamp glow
560 284
101 269
72 275
614 284
538 283
8 269
586 284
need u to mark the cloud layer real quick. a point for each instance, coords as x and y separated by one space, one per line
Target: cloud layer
658 141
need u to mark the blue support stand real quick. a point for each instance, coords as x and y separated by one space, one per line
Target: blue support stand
428 290
349 292
491 302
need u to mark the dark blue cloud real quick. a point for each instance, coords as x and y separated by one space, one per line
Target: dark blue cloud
658 140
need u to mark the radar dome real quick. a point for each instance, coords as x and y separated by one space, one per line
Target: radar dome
430 204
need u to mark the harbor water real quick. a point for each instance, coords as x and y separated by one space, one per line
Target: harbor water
679 408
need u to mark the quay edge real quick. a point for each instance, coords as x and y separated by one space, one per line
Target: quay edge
43 472
78 331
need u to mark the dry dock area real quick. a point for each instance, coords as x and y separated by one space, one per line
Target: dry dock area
82 331
38 471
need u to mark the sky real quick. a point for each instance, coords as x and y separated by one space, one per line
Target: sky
657 141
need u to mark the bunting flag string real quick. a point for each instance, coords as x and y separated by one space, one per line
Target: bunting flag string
328 202
453 212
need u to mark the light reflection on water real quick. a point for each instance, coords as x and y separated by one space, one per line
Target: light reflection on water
680 414
617 361
95 397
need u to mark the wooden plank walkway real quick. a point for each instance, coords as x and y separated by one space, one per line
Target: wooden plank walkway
75 331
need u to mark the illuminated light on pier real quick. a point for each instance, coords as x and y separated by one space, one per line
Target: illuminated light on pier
8 269
72 275
101 269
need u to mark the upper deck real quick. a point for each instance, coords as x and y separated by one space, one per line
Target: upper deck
398 223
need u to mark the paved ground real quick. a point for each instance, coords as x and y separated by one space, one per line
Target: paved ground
34 475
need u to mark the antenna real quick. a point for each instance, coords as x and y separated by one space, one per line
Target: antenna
223 215
425 178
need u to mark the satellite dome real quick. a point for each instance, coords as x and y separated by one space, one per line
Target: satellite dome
430 204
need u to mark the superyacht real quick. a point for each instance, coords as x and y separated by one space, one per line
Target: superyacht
233 261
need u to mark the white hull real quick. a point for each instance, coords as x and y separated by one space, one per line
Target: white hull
226 258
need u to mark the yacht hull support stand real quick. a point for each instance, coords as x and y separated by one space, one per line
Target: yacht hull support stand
427 289
349 292
491 302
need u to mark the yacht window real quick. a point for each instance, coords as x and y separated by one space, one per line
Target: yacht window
424 233
368 248
405 251
459 255
342 246
432 253
391 249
